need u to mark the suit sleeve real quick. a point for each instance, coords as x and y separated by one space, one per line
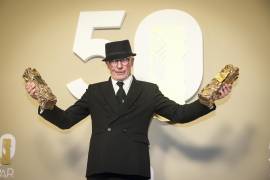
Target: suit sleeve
179 113
65 119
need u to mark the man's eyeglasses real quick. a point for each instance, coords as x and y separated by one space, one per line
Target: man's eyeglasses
123 61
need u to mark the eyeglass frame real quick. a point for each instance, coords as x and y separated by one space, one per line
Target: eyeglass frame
123 61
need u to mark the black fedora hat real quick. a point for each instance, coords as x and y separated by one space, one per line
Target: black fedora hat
118 50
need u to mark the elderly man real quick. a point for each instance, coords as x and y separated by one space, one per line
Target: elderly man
121 110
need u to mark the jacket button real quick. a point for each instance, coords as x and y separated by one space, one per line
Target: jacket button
124 130
109 129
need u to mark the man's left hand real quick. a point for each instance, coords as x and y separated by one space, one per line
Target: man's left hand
224 90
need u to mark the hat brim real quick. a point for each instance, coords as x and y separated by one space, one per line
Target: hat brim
118 56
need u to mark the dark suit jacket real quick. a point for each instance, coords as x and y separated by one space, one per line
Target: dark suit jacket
119 141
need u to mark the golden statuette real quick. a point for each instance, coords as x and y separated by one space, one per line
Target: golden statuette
45 97
210 93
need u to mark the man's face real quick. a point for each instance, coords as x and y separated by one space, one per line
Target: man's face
120 69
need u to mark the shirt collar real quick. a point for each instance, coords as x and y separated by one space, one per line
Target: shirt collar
127 82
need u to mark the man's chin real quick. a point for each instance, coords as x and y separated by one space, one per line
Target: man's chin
120 77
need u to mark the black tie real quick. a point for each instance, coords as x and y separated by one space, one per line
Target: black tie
121 95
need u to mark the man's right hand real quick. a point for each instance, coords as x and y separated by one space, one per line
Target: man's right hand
31 89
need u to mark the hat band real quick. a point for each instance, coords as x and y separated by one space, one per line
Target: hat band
118 55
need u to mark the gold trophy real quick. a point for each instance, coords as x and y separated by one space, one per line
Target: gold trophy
210 93
45 97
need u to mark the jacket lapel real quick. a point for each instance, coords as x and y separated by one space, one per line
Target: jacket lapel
109 96
133 94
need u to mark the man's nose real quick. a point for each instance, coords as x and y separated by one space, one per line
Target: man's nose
119 64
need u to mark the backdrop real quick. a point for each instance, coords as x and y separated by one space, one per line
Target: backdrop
230 143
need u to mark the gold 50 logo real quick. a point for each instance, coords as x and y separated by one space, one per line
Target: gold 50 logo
7 148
